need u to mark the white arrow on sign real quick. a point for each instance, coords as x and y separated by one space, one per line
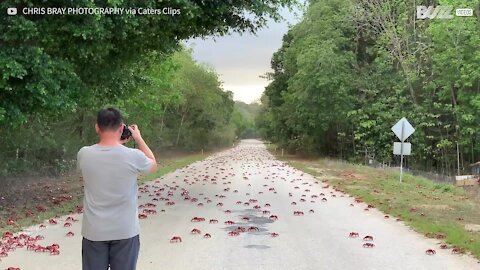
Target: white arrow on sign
403 129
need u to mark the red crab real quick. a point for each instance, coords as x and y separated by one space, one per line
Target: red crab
233 233
7 235
368 238
266 212
142 216
197 219
10 222
252 228
430 252
240 229
213 221
298 213
195 231
324 199
353 234
273 217
207 235
311 211
457 250
368 245
229 222
72 219
274 234
175 239
52 221
228 212
70 234
149 211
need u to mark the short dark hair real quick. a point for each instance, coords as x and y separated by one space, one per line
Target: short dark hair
109 119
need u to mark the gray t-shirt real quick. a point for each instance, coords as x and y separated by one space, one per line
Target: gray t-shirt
110 204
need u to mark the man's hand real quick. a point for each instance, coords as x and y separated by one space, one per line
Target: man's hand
125 141
135 132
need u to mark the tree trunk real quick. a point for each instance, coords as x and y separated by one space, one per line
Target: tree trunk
180 126
163 118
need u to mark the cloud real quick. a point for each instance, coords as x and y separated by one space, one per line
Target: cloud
247 93
241 59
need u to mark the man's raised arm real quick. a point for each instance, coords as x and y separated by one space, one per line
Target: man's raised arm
142 146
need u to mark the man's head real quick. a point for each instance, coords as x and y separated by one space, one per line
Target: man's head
109 122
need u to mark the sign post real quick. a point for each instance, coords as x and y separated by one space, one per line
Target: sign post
403 129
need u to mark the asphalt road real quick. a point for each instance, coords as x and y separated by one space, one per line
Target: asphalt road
318 239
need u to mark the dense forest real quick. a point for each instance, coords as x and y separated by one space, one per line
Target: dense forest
57 71
244 116
350 69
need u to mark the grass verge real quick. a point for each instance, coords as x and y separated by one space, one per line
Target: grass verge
433 209
170 165
17 208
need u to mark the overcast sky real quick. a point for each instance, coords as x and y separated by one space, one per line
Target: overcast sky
241 59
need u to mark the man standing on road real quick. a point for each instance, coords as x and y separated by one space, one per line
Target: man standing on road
110 227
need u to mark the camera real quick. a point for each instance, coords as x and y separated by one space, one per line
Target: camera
126 133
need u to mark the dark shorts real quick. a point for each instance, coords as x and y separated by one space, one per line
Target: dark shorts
118 254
